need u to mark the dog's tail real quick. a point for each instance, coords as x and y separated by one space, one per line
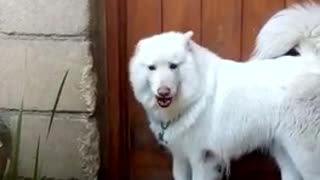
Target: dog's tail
292 30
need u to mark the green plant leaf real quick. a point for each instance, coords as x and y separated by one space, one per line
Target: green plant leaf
13 169
14 161
6 172
40 168
56 102
36 162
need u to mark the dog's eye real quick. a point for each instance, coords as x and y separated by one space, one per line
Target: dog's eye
152 67
173 66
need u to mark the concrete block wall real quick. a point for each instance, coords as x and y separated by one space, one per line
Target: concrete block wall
39 41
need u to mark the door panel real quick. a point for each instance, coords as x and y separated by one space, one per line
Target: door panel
149 165
182 15
255 14
290 2
221 27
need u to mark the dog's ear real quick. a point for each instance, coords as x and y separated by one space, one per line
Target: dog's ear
137 47
188 35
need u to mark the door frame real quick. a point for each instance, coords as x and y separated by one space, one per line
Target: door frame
110 58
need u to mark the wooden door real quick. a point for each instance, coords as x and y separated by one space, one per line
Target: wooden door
228 27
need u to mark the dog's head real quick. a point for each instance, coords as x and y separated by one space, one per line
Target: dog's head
163 72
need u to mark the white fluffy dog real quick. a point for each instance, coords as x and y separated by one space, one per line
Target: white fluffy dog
206 109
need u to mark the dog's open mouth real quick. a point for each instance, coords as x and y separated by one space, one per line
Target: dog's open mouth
164 102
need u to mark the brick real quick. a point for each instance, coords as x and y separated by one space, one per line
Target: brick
41 66
65 17
59 154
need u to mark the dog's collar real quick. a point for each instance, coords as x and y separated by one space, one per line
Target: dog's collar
164 126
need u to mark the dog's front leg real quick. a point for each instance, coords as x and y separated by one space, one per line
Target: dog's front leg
201 171
198 171
208 166
181 168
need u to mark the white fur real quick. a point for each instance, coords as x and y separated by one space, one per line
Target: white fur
295 27
233 108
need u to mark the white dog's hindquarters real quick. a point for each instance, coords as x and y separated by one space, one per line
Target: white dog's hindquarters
297 27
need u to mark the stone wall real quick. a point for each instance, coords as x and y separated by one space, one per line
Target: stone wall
39 41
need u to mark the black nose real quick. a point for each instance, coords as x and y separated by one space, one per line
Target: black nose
164 91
